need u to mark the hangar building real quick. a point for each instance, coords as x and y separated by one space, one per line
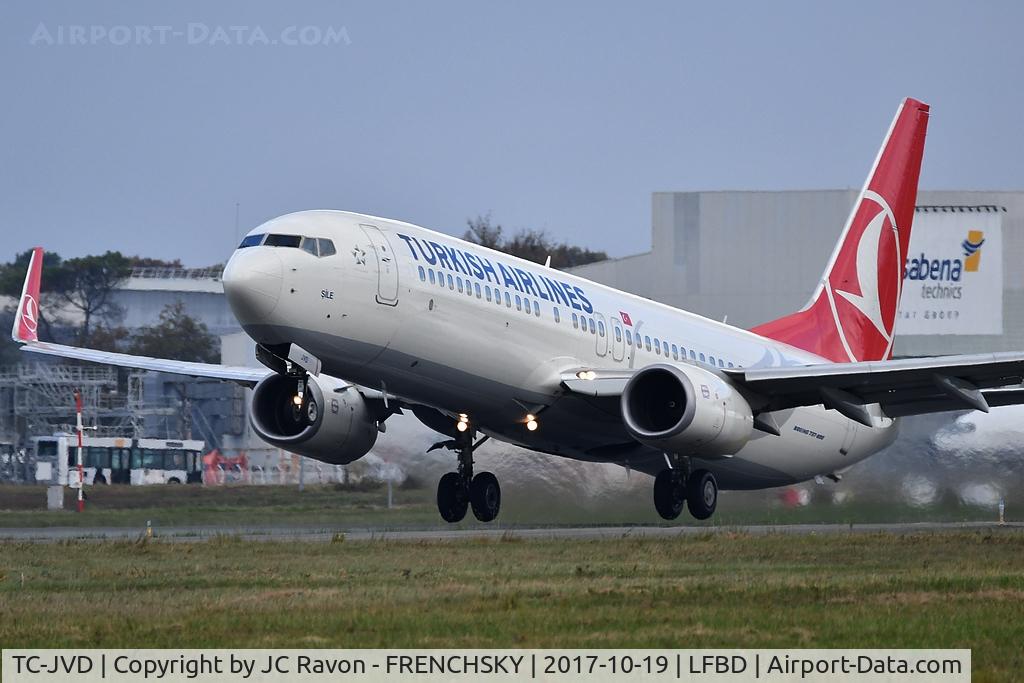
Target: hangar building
757 255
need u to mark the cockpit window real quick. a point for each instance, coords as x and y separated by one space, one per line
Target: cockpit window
326 247
309 244
317 246
283 240
251 241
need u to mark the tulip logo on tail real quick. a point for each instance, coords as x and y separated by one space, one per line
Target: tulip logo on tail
877 276
30 313
972 250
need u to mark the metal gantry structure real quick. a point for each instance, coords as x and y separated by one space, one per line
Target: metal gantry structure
38 399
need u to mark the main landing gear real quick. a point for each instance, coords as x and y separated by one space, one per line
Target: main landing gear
674 488
460 490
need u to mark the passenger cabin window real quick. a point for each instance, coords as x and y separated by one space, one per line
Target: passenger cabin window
721 364
675 352
618 334
487 291
519 303
600 328
252 241
326 247
536 309
309 246
476 287
629 338
283 241
702 359
451 283
432 277
575 321
590 322
711 359
693 355
423 274
647 342
664 348
458 282
554 311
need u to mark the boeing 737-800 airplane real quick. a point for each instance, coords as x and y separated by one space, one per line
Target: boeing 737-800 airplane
358 318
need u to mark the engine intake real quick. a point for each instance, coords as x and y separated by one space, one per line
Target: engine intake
686 410
332 426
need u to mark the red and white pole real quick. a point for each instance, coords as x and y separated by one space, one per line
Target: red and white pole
81 476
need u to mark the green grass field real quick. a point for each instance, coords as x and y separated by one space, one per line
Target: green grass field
340 508
956 589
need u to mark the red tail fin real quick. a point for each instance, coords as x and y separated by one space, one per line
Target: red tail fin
852 312
27 318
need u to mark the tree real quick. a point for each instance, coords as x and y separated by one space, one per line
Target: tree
532 245
87 284
147 262
177 336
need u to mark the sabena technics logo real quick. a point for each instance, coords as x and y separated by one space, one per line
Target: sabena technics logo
942 278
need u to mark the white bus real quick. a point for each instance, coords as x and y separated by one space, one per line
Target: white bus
117 460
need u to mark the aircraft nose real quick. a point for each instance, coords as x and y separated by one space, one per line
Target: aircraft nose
252 282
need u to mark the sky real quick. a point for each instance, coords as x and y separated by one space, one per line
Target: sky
153 126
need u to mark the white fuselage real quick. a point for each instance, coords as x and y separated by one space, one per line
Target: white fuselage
464 329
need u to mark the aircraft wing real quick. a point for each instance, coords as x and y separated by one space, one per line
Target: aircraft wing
230 373
27 318
910 386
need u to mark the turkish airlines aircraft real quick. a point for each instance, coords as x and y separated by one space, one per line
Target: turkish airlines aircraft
358 318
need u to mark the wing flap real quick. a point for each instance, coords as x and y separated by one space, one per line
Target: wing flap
908 386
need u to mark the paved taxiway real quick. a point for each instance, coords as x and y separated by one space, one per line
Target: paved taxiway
51 534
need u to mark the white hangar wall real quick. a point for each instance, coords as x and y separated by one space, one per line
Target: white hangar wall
754 256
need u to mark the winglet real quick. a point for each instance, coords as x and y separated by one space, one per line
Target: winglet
26 321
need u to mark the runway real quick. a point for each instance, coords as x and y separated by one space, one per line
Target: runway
284 534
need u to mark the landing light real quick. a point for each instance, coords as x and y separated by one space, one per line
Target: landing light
531 422
297 399
461 426
586 374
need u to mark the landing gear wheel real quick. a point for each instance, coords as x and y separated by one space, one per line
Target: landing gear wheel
485 496
452 498
702 494
669 493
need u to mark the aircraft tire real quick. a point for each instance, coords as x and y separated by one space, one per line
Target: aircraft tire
485 496
702 494
452 498
669 494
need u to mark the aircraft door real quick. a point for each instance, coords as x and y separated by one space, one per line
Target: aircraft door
387 267
601 335
618 343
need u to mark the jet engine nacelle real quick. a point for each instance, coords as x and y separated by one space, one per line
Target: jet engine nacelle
686 410
335 427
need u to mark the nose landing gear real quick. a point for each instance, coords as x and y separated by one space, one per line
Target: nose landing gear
459 491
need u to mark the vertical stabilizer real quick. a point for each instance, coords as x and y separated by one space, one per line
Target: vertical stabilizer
26 320
852 313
